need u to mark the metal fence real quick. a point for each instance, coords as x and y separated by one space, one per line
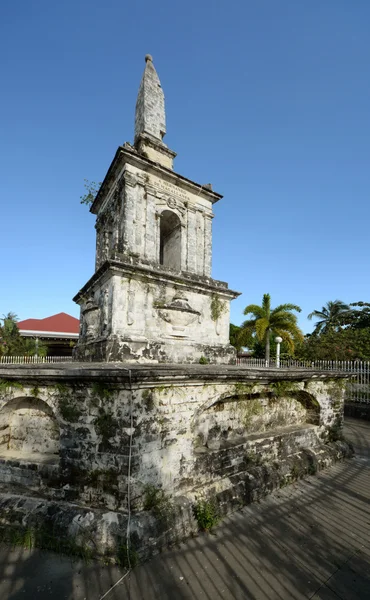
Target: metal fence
357 389
34 360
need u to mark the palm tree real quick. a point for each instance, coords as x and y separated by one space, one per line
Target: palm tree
331 316
278 321
240 337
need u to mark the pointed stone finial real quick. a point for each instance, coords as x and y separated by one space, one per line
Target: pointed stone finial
150 115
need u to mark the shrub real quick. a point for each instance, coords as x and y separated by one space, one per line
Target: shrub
206 514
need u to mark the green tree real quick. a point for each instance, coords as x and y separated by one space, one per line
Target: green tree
331 316
11 342
10 339
358 318
240 338
267 322
91 190
345 344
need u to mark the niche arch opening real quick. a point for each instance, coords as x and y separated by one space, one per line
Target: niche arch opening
29 431
170 240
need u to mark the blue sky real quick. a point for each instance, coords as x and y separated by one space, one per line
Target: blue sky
269 101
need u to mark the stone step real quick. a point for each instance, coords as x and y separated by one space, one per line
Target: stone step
33 474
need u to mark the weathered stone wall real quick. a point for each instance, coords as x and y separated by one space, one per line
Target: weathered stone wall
75 438
129 219
154 242
142 317
188 435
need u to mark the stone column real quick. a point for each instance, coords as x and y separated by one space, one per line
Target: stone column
98 258
151 252
129 227
191 241
200 242
207 245
140 215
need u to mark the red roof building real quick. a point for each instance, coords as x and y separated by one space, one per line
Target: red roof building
58 332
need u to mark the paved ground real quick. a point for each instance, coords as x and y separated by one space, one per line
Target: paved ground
310 540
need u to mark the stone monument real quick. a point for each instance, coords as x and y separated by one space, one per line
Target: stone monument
152 298
119 458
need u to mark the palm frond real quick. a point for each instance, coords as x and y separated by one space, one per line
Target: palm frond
318 314
261 327
284 317
266 304
254 309
287 307
248 324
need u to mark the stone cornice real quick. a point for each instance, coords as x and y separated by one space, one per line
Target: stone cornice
155 144
128 154
155 274
170 374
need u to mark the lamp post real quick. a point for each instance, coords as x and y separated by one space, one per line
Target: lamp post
278 341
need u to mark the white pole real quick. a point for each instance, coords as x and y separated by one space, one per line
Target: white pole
278 341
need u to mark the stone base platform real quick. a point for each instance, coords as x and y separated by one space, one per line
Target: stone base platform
84 445
97 532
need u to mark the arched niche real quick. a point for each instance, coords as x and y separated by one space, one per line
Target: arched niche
170 240
28 430
231 417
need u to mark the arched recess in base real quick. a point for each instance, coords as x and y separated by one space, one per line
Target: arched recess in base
233 417
28 429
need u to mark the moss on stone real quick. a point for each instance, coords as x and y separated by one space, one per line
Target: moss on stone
335 432
61 389
218 307
105 479
243 389
336 388
160 503
41 537
35 391
68 410
7 386
148 399
102 391
106 426
252 458
280 389
251 409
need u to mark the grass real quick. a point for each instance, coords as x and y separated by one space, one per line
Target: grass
157 501
29 538
206 514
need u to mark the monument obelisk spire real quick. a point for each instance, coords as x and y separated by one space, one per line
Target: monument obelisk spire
152 297
150 118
